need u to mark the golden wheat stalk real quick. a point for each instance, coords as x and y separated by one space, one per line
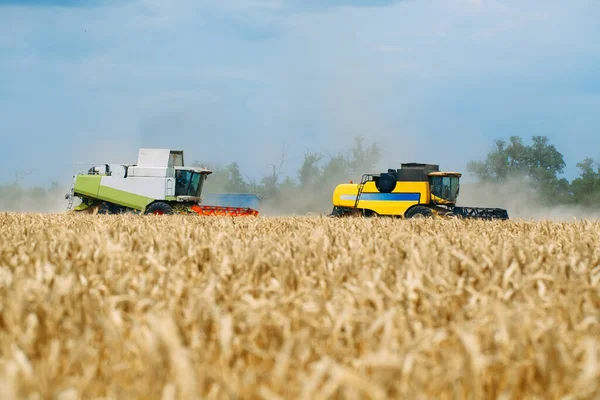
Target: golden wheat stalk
128 307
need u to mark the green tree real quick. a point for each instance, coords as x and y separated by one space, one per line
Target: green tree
287 185
309 172
505 161
539 163
335 171
363 159
586 187
270 186
235 180
544 162
217 181
228 179
315 180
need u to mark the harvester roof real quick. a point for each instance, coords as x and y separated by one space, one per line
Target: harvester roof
415 172
415 165
445 173
200 170
160 158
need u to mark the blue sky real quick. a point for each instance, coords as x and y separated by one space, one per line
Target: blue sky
225 80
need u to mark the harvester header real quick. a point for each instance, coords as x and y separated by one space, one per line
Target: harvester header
159 183
413 190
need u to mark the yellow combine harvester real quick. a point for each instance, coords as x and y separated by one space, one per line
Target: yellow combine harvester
414 190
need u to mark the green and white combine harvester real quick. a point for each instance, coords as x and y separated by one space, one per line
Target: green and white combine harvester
158 184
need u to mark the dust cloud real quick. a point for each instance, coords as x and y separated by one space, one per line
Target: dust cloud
36 200
26 198
296 202
521 201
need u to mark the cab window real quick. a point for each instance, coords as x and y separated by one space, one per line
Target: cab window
187 183
445 187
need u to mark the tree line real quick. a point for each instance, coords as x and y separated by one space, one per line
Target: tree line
538 165
310 190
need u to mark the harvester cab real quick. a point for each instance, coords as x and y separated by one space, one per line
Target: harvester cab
444 187
189 182
414 190
159 183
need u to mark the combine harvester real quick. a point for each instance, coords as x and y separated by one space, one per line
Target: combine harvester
158 184
415 190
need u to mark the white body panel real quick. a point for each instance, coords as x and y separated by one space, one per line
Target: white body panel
153 188
151 172
117 171
113 169
170 187
160 158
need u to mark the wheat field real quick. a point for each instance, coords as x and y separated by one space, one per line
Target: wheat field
183 307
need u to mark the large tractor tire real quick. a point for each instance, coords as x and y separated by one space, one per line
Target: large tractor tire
104 209
108 208
419 212
359 212
386 183
159 208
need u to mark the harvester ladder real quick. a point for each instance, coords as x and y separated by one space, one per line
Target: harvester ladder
70 206
72 194
361 186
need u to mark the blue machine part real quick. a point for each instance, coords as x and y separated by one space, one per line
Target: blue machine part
243 200
383 196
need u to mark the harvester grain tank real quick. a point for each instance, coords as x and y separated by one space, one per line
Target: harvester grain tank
158 184
414 190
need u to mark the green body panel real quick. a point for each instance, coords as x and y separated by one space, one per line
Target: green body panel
123 198
89 186
81 207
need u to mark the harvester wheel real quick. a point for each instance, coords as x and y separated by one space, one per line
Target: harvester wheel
159 208
359 212
419 212
107 208
103 209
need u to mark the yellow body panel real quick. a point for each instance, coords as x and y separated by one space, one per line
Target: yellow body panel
404 196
